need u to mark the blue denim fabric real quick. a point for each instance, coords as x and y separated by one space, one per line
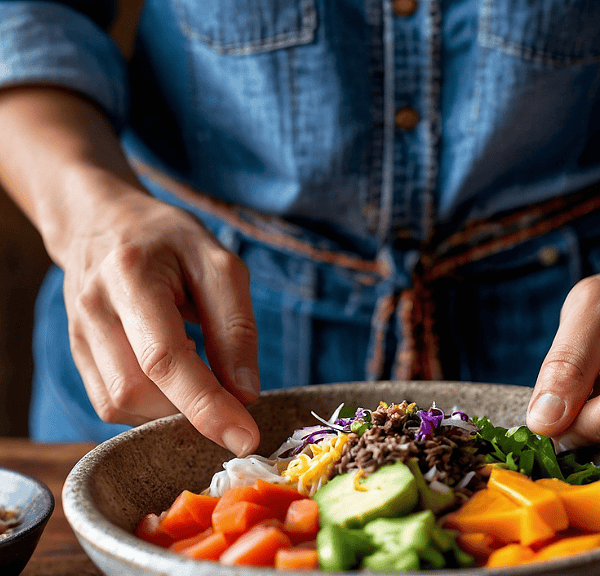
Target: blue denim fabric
288 107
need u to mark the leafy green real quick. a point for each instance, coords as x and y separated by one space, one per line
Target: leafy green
521 450
578 473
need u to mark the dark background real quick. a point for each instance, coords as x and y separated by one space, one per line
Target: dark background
23 262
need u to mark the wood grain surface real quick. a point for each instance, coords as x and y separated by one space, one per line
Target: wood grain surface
58 552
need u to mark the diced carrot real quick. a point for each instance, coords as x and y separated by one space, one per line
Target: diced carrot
302 520
148 529
296 559
239 494
510 555
568 546
478 544
582 503
210 548
257 547
180 545
238 517
525 492
189 514
277 496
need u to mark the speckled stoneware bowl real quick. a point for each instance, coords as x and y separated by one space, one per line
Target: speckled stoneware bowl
35 504
144 469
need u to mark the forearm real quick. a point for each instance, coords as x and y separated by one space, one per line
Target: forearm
61 161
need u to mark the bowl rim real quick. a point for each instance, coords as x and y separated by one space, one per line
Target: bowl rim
30 522
92 527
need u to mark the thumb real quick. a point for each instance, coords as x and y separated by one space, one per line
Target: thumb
569 371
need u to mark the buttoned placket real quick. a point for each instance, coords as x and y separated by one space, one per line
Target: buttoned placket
411 35
410 40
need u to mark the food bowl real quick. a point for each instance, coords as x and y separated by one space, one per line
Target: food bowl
144 469
34 503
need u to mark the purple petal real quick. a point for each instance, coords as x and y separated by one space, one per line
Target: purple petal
430 422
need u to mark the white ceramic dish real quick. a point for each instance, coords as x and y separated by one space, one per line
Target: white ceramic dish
144 469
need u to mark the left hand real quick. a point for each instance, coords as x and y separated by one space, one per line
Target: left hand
565 404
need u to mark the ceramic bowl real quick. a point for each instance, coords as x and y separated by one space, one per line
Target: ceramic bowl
144 469
35 504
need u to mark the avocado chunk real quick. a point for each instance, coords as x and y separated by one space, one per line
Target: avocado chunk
341 549
407 532
429 498
385 561
351 502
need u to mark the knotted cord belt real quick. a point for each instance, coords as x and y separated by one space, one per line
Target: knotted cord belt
417 358
417 355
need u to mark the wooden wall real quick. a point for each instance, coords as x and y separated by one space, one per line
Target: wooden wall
23 262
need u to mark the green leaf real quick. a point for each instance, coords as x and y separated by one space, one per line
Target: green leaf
347 411
578 473
526 462
510 462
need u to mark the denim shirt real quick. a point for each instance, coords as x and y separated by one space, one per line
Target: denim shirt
367 127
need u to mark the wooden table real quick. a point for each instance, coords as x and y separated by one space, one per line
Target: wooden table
58 552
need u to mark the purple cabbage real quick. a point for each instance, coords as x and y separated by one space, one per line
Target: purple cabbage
430 422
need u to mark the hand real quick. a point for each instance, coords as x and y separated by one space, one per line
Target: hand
133 272
565 403
135 268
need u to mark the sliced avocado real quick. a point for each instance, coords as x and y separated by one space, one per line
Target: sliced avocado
429 498
340 548
405 560
408 532
351 502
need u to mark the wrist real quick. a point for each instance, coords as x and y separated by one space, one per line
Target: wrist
86 202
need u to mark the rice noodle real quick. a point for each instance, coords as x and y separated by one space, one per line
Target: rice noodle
244 472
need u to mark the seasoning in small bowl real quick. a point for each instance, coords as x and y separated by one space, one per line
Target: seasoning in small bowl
9 520
26 505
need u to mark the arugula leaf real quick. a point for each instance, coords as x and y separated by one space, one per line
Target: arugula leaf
520 449
526 462
578 473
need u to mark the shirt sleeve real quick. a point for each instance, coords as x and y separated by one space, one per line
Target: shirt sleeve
50 43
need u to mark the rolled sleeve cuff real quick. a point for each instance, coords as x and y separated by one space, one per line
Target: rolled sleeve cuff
52 44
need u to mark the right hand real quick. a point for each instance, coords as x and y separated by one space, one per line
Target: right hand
135 269
133 273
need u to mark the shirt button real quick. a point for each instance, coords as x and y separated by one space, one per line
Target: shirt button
549 256
406 118
404 7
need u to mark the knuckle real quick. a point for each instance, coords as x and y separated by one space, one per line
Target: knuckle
201 403
107 412
242 329
125 257
121 392
158 362
565 362
225 262
88 302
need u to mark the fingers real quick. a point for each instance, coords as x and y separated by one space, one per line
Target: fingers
569 371
152 322
221 291
119 390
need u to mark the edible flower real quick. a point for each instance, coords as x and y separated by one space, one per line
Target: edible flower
430 422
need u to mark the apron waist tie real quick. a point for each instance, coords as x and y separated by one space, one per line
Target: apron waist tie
416 356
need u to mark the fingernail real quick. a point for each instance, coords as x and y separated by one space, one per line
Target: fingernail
547 409
237 440
247 381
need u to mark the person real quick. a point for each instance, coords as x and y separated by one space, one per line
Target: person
246 194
